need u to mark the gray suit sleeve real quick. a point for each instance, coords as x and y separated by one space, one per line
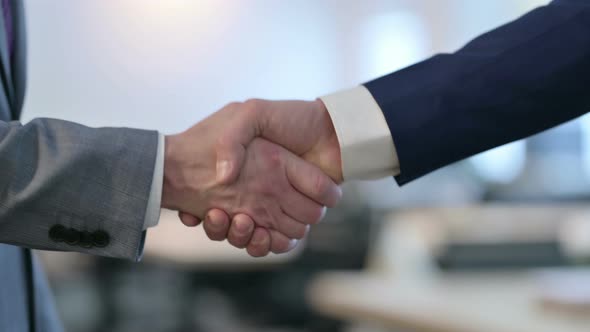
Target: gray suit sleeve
67 187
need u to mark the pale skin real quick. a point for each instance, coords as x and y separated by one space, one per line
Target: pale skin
303 127
220 169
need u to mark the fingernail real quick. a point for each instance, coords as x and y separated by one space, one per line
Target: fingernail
222 170
293 244
338 192
258 239
243 226
212 222
337 195
324 211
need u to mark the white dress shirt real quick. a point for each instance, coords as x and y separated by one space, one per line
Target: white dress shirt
152 215
366 144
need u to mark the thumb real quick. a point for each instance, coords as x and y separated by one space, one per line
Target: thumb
230 159
311 181
232 144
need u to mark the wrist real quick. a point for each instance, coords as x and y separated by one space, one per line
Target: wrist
327 154
189 172
333 157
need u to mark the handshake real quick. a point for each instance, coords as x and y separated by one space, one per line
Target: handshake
258 173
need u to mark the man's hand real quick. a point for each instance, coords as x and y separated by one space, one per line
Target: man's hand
300 126
282 192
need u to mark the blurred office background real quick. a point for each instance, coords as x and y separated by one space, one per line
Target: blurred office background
166 64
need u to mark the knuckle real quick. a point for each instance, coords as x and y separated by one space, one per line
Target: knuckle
232 105
251 106
223 140
253 103
253 110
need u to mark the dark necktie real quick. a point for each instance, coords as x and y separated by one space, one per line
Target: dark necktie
8 25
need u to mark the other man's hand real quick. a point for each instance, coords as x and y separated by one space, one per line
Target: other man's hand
283 193
300 126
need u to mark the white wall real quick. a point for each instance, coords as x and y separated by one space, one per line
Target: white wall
165 64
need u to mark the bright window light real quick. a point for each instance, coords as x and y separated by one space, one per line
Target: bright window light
502 164
585 126
392 41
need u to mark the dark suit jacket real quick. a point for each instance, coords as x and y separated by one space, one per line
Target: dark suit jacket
507 84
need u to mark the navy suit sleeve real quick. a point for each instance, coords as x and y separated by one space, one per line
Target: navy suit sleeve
515 81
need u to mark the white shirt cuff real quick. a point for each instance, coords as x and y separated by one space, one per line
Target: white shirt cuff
152 215
366 144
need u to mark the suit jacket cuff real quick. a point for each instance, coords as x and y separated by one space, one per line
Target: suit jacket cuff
366 144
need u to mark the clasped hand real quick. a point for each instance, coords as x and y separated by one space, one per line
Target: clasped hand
258 173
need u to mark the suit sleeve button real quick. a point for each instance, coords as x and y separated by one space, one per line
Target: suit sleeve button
86 240
57 233
72 236
101 239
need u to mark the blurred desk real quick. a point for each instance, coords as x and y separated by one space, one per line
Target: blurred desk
173 242
402 288
456 303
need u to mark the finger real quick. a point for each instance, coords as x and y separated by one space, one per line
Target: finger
290 227
302 208
280 244
216 225
188 219
312 182
241 231
259 246
230 158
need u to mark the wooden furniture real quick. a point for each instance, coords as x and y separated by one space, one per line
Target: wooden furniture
457 303
402 289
